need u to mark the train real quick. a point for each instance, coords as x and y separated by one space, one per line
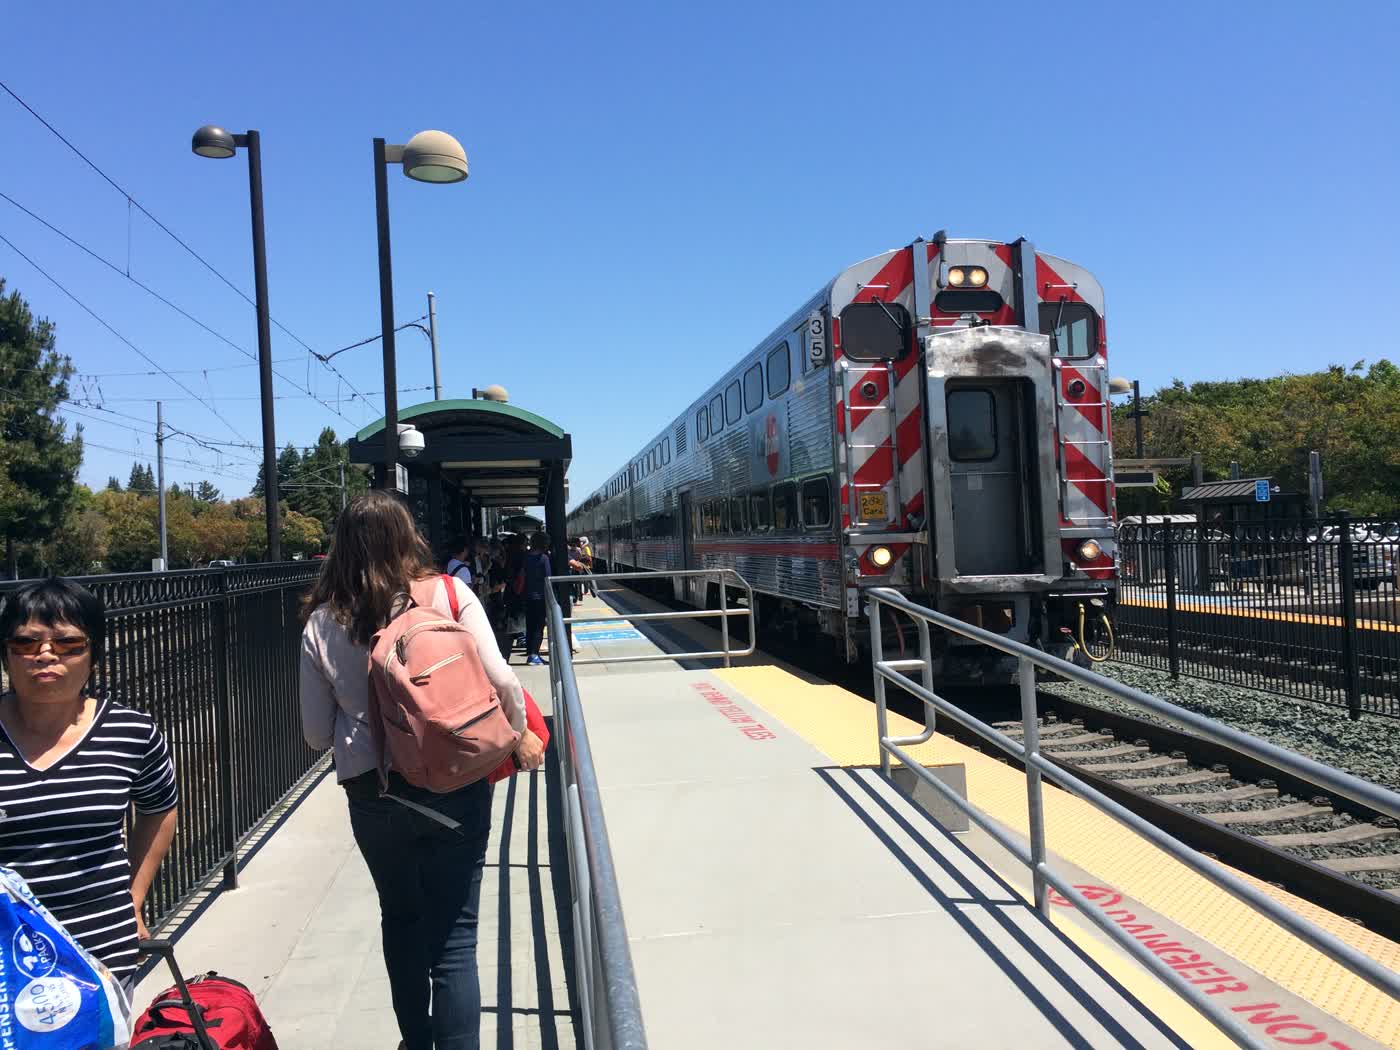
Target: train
933 419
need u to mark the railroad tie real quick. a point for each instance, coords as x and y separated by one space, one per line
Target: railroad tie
1388 862
1228 795
1335 837
1267 816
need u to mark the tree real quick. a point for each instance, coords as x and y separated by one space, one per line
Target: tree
133 539
301 534
141 479
38 459
206 493
113 485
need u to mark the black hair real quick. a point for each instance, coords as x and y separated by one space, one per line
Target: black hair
54 601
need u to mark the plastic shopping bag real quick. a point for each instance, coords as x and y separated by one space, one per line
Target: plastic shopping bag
53 994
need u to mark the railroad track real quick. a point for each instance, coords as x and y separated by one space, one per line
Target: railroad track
1329 850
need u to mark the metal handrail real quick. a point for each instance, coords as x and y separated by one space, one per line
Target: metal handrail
724 612
1036 766
607 981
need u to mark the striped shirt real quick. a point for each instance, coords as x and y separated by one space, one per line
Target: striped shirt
61 827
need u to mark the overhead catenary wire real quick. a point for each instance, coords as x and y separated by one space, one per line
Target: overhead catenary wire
144 356
133 202
174 306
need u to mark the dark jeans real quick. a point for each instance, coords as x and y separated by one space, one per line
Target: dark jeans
534 625
429 883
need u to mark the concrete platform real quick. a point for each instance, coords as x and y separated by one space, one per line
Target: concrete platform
775 900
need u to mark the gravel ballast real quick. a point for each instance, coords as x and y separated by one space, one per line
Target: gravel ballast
1369 748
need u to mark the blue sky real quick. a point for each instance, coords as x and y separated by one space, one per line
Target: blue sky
655 186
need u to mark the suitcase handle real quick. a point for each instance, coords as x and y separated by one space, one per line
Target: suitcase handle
166 950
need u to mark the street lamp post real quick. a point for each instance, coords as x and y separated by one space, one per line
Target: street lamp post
430 156
215 142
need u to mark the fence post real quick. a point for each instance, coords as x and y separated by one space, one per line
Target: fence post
223 727
1350 668
1035 809
1169 564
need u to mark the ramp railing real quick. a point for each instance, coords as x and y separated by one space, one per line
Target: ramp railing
1027 751
603 971
725 612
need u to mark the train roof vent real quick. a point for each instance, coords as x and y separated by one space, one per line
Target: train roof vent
680 438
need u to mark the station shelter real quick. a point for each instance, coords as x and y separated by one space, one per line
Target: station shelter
478 457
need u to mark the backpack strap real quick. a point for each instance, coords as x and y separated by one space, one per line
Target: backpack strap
451 595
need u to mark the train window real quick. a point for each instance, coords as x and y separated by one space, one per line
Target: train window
733 403
753 389
1072 328
722 511
702 425
738 520
785 506
666 451
816 503
760 514
874 331
972 425
716 414
969 301
779 370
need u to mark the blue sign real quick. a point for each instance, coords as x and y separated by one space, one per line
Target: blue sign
620 634
1261 492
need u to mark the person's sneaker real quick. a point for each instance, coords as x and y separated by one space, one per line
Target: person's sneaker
535 661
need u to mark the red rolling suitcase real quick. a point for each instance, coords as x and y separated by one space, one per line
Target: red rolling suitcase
209 1012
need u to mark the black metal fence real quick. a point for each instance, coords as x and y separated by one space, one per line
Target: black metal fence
1304 608
212 655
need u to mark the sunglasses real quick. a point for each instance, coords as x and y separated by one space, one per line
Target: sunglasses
60 646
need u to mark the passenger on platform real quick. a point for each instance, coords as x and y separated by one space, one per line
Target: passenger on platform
71 763
428 877
515 589
576 568
537 573
586 548
462 564
497 583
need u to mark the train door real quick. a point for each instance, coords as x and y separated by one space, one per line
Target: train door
611 563
985 459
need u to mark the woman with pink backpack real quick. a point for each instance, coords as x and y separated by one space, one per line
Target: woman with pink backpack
425 849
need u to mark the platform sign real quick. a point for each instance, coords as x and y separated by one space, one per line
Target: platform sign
1135 479
1261 492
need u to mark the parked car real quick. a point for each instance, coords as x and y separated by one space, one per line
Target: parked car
222 563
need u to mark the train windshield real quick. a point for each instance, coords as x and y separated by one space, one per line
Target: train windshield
1072 327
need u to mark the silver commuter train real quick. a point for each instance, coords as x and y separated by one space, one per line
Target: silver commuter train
934 419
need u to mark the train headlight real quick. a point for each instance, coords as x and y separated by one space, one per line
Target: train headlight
881 557
977 277
967 276
957 276
1089 550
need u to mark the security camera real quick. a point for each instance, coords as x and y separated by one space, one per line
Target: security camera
411 442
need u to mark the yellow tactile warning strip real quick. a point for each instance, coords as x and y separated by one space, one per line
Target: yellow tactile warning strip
1322 619
842 725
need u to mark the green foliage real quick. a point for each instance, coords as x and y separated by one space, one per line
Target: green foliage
141 479
113 484
206 493
38 459
1351 416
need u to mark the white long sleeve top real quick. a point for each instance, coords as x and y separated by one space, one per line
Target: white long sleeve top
335 681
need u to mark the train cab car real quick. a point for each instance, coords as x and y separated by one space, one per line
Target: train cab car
934 419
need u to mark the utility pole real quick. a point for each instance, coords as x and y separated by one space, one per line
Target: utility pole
342 485
432 337
1136 414
160 483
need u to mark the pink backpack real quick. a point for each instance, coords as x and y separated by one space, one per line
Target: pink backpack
434 714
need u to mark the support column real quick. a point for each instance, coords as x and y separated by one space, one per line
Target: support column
556 524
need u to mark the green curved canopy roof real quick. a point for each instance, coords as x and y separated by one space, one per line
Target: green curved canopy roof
506 416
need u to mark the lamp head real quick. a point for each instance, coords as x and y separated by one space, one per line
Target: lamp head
212 141
434 156
1119 385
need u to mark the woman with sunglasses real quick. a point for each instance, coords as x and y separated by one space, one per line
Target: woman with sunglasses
71 762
